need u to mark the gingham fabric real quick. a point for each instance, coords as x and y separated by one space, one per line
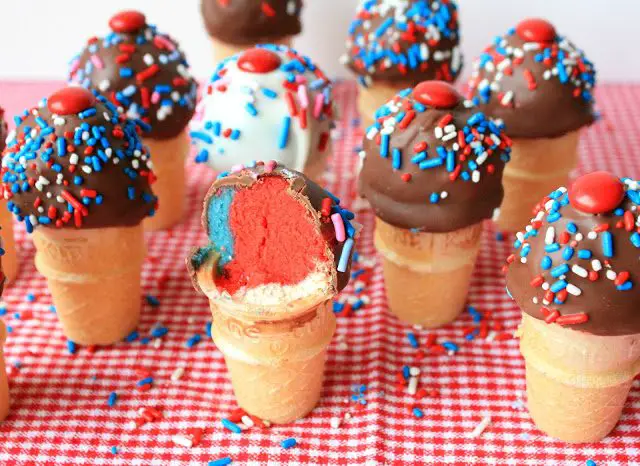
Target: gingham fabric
60 413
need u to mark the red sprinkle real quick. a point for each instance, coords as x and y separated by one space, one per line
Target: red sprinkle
573 319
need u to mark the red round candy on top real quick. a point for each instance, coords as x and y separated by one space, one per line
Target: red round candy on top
127 21
259 61
536 30
596 193
70 100
438 94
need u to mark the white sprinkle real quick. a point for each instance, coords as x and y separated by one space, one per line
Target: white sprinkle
579 237
177 374
157 343
414 371
438 132
545 286
182 441
592 235
573 290
444 195
611 275
148 59
529 46
507 98
247 421
335 422
412 388
550 236
480 428
475 176
580 271
449 128
534 300
596 265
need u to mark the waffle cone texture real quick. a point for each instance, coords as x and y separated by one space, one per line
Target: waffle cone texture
427 275
94 279
577 383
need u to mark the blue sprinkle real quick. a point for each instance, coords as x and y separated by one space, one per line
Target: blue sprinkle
71 346
546 263
288 443
384 145
607 244
346 254
434 198
207 328
152 300
284 132
227 424
413 341
397 158
553 247
194 340
567 253
417 412
560 270
146 381
133 336
337 307
585 253
625 286
114 450
406 372
31 297
113 397
450 346
159 332
558 286
221 462
635 239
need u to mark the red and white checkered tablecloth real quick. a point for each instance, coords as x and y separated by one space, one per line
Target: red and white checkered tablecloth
60 412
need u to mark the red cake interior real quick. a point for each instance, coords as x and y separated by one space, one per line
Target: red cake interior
274 238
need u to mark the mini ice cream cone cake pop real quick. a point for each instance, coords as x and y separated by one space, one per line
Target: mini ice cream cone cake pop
143 71
76 173
266 100
395 44
10 257
574 275
432 172
541 86
236 25
280 249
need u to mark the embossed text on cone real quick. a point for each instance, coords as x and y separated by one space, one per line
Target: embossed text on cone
94 279
427 275
577 383
276 366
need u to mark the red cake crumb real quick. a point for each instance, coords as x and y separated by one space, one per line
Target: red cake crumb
275 240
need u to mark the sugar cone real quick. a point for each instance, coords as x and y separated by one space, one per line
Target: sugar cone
168 158
94 278
10 258
536 169
4 382
577 383
223 50
427 275
275 354
371 98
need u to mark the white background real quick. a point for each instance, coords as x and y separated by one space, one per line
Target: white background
38 37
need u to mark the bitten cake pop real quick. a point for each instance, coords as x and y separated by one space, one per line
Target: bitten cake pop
395 44
573 274
540 85
236 25
144 72
432 172
266 100
10 258
279 250
76 172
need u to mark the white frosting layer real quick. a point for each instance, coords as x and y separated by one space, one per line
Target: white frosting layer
244 114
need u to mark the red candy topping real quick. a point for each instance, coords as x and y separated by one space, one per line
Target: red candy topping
127 21
70 100
596 193
438 94
259 61
536 30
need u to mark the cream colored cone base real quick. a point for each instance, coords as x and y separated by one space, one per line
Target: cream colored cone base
276 366
10 258
371 98
94 279
168 158
536 169
222 50
577 383
4 382
427 275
